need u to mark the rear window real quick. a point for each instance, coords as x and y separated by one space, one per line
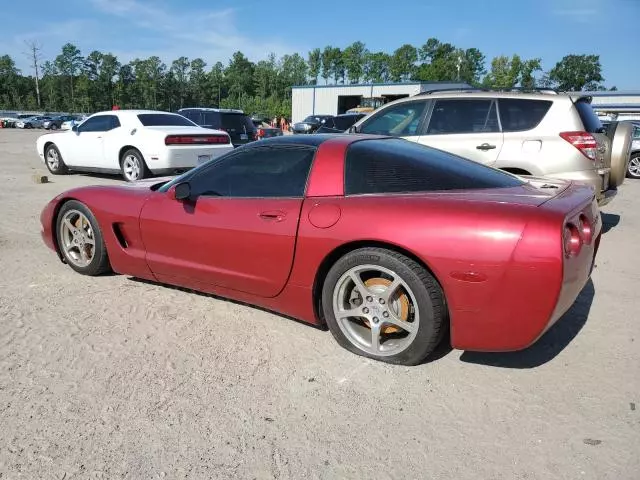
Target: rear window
164 119
518 115
398 166
590 120
236 121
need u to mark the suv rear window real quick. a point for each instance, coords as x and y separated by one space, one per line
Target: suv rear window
236 121
590 120
398 166
518 115
163 119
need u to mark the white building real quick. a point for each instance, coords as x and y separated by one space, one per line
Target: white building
336 99
617 105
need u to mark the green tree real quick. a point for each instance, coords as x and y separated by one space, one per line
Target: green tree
327 63
529 67
354 57
376 67
403 62
180 70
69 63
315 64
577 72
198 82
505 72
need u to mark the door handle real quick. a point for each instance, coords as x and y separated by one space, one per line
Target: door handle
273 215
485 147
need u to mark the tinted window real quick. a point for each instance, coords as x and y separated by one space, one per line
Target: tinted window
257 172
163 119
115 121
100 123
210 119
636 132
463 116
236 121
343 123
397 165
402 119
589 118
517 115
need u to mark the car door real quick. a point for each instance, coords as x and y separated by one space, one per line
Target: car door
404 119
85 148
238 229
465 127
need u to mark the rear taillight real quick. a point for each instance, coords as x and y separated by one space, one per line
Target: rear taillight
196 139
586 229
572 240
583 141
260 133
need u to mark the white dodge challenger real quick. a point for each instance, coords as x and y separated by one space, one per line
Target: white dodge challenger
135 143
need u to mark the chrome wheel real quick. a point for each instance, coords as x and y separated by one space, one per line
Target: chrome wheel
376 310
53 159
131 167
76 238
634 167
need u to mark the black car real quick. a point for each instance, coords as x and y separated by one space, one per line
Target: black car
56 122
310 124
340 123
235 122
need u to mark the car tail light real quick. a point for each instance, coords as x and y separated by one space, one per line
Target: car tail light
572 240
260 133
586 229
583 141
196 140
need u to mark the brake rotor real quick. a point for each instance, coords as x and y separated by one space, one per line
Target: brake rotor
401 301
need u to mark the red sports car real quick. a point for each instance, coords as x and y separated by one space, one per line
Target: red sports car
387 242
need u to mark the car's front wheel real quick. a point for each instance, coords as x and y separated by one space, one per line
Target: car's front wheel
54 161
133 166
80 239
633 167
383 305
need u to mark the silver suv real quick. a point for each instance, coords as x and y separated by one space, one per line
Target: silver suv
542 133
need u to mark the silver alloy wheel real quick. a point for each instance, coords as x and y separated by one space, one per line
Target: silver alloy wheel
634 166
131 168
76 237
53 159
369 312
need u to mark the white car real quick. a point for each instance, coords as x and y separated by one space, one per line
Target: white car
135 143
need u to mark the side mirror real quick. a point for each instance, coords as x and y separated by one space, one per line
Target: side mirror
75 128
182 191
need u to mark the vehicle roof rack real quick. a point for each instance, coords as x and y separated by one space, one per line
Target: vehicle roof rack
483 89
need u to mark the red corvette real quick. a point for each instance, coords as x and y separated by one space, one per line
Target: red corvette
389 243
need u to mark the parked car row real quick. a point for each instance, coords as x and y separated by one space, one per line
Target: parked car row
48 122
326 123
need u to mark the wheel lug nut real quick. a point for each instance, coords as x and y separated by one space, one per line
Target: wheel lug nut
385 314
369 299
382 301
375 320
365 310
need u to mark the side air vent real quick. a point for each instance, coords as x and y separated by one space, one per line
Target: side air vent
117 230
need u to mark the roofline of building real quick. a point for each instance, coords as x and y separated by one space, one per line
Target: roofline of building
384 84
611 93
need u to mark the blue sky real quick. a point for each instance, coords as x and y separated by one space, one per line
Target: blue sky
214 29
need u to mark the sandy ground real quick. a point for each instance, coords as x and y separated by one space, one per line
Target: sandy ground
114 378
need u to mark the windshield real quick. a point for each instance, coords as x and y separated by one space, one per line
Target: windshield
312 119
164 119
343 123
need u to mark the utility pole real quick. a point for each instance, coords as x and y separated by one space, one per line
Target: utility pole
34 56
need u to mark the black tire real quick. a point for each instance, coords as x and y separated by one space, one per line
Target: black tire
133 153
426 290
61 168
53 126
100 262
28 125
634 162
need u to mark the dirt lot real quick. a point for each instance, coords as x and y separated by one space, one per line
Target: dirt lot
115 378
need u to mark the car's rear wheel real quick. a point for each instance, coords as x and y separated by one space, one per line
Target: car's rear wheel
383 305
621 136
53 160
53 126
80 239
633 169
133 166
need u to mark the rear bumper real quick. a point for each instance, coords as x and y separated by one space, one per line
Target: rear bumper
599 179
182 158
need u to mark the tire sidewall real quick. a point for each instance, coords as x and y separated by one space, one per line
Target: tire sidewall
100 252
143 166
62 168
620 150
429 331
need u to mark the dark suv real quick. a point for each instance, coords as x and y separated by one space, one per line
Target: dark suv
238 125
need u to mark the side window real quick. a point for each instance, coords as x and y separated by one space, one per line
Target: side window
256 173
399 120
636 132
100 123
463 116
518 115
115 122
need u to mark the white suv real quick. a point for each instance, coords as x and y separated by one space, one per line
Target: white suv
543 133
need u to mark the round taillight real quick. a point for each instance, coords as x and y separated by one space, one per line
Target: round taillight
586 229
572 240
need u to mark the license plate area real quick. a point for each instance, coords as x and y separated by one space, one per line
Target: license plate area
244 136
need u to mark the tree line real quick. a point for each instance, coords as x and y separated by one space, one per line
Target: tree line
76 83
